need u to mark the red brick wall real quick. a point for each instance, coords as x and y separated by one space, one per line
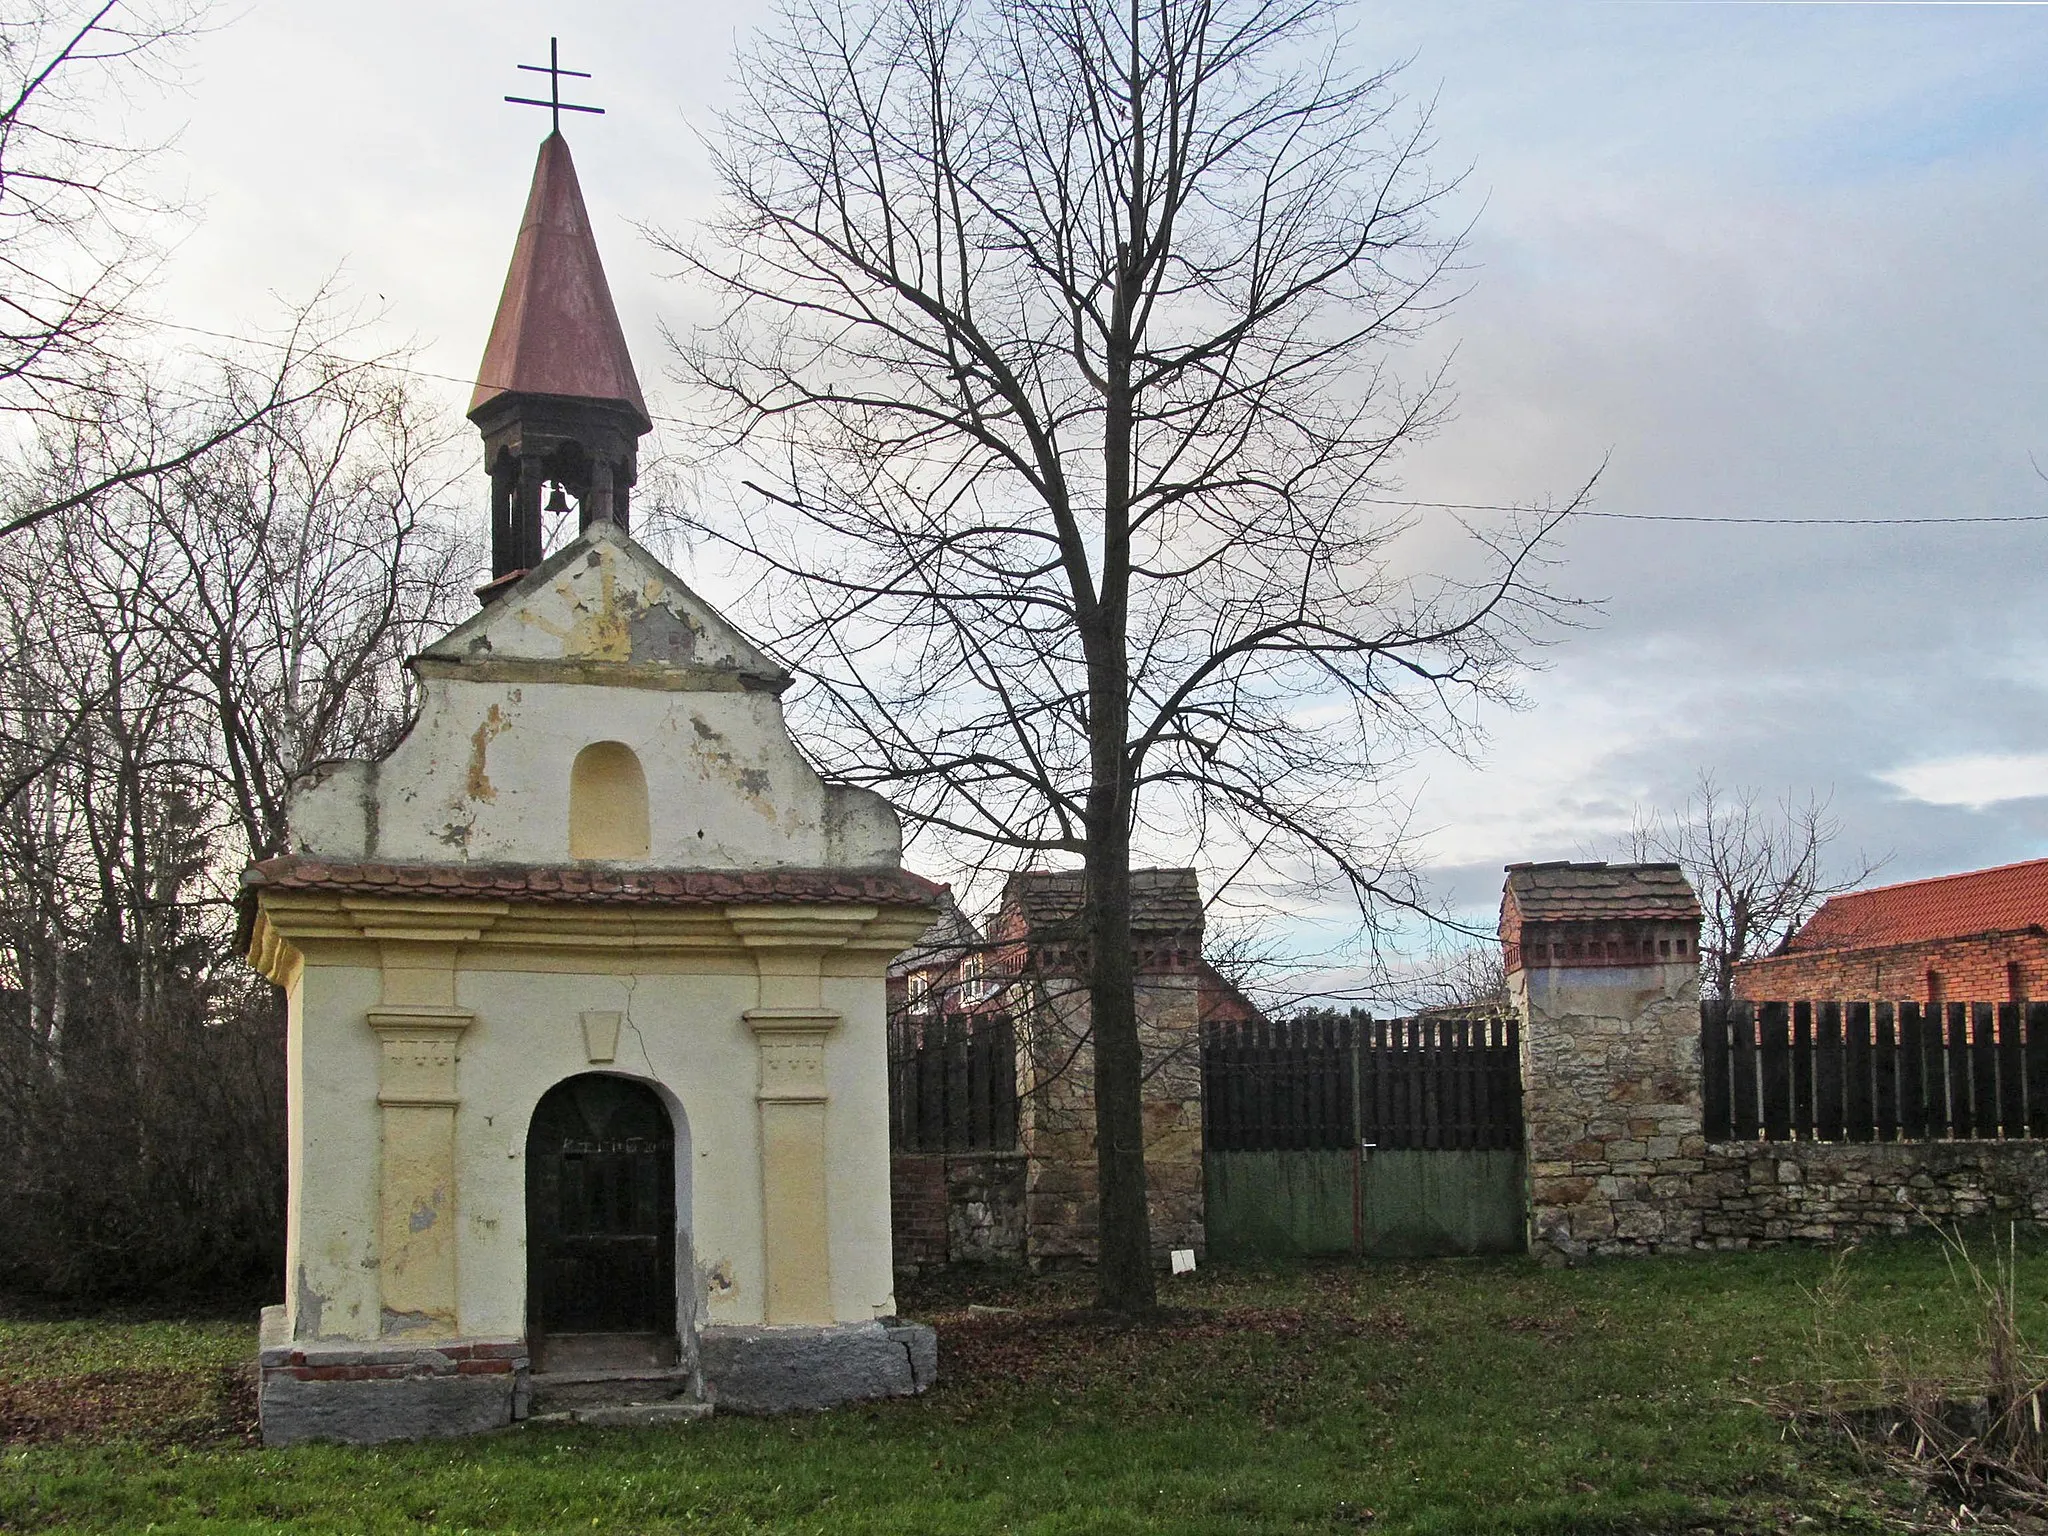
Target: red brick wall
956 1208
1971 971
1578 945
917 1211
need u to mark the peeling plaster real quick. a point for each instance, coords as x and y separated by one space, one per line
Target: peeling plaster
479 782
311 1304
483 775
620 624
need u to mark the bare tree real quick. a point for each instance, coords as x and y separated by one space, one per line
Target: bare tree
83 224
79 224
1473 976
307 559
1056 342
1760 869
182 648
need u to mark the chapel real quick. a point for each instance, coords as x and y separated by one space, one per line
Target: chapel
586 1054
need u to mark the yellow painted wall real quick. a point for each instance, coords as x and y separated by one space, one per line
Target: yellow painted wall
607 803
604 659
681 1030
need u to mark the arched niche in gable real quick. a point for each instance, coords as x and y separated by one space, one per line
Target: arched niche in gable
607 803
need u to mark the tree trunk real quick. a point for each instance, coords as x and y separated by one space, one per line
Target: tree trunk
1124 1281
1123 1272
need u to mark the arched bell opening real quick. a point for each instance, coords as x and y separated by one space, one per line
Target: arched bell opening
601 1226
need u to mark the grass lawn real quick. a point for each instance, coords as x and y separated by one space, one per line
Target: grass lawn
1458 1396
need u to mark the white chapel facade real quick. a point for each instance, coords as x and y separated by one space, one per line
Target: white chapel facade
586 1061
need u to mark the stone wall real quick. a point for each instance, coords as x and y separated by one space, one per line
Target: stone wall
1753 1193
1611 1100
1618 1163
1057 1113
956 1208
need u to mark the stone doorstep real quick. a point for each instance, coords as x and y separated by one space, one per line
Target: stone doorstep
577 1392
626 1416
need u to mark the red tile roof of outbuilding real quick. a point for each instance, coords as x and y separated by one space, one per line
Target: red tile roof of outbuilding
2002 900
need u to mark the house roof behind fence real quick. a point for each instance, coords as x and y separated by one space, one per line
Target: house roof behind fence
950 938
1163 901
2002 900
1564 892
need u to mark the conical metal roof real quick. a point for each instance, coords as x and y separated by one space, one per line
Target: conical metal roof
557 331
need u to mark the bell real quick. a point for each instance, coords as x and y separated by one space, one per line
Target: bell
557 501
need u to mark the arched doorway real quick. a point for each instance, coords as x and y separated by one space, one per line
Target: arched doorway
601 1226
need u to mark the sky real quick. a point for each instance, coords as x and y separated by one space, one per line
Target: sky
1762 261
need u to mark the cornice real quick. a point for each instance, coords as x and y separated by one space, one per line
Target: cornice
602 674
289 923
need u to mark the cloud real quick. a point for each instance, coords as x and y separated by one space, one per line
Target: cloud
1777 261
1976 781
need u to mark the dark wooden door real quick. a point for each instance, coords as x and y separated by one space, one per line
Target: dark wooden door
601 1210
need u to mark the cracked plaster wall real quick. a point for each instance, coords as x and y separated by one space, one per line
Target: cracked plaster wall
605 646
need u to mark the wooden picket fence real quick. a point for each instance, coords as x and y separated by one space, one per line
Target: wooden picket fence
953 1083
1424 1084
1873 1071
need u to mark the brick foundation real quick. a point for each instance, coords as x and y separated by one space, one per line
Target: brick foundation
956 1208
362 1393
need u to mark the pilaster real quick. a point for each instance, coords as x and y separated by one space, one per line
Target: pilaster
790 1026
418 1030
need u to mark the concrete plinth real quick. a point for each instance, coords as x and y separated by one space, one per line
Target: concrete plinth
362 1394
781 1370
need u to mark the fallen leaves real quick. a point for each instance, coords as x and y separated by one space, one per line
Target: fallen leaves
165 1406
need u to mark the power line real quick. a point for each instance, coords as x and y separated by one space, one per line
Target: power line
1817 522
1679 517
336 357
1378 501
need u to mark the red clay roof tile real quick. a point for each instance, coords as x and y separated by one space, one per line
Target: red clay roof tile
595 887
2002 900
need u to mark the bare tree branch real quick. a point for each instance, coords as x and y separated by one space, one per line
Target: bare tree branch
1057 339
1760 870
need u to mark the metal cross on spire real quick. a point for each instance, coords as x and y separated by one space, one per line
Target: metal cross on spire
554 71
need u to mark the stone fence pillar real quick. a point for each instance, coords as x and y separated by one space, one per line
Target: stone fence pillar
1603 966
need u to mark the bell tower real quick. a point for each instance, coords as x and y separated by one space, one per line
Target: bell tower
556 397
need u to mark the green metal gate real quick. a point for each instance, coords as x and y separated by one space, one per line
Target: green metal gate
1381 1138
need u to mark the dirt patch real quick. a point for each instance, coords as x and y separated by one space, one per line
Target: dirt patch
164 1407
